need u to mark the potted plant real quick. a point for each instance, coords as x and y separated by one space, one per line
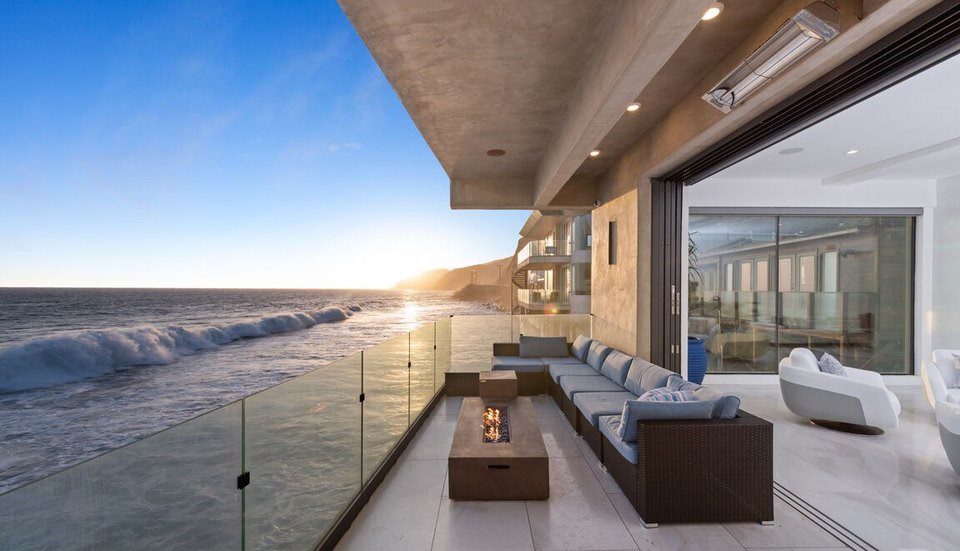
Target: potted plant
696 351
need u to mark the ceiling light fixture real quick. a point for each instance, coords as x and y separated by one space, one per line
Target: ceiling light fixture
633 107
595 153
791 151
496 152
809 29
713 11
853 152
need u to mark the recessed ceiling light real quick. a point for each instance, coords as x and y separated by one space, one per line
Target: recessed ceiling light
633 107
791 151
595 153
713 11
853 152
496 152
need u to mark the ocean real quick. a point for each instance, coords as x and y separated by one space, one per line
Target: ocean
85 371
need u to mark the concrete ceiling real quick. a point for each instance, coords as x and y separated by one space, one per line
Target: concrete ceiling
477 76
907 132
543 80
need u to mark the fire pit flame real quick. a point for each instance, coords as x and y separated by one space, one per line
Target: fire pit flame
496 427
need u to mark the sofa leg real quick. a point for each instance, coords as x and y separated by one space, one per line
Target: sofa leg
766 523
650 525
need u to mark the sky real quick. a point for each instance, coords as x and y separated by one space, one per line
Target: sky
202 144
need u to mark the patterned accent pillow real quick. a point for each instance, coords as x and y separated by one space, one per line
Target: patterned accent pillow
831 365
667 395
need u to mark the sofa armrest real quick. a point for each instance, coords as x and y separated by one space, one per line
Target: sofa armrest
727 461
864 376
506 349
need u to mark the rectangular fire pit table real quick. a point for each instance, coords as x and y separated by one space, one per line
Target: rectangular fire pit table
498 452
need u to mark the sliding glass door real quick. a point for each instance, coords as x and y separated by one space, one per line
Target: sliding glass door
763 285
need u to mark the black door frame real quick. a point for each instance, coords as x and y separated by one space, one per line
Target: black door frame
916 46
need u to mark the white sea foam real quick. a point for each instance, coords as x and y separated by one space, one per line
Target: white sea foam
49 361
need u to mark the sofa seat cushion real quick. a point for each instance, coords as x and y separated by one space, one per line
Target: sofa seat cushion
953 395
643 376
562 370
536 347
594 404
597 354
518 364
573 384
610 428
616 366
580 347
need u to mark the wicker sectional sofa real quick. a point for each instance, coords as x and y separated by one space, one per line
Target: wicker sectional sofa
716 469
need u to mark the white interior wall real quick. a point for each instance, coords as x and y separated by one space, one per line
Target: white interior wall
798 193
945 315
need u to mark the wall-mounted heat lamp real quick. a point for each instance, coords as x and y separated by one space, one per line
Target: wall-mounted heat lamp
806 31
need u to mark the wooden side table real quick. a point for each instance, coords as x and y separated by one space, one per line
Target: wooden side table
498 385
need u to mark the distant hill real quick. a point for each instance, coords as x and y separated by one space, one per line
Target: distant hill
489 282
495 272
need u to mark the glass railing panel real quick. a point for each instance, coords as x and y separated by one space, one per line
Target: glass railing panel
443 329
386 406
303 452
473 338
422 378
546 325
174 490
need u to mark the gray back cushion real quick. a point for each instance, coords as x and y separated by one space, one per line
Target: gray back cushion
539 347
636 410
725 406
616 366
643 376
580 347
597 353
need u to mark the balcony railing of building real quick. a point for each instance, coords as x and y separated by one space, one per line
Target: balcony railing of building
539 252
285 468
548 300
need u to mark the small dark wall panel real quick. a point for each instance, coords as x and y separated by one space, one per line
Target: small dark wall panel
667 246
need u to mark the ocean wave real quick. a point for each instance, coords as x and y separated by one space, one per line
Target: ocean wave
50 361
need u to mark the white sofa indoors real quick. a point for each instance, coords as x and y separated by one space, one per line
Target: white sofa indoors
858 402
948 419
940 377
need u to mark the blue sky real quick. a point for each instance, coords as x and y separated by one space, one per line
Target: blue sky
215 145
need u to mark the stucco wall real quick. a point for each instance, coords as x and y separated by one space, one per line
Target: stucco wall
615 300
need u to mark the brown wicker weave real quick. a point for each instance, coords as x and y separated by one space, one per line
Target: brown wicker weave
591 435
553 390
716 470
570 410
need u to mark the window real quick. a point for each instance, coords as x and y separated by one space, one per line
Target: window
844 286
612 242
746 276
763 276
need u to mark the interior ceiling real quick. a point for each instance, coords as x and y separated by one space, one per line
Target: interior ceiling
708 44
909 131
477 76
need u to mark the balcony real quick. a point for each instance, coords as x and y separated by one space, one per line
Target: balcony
368 436
537 255
544 300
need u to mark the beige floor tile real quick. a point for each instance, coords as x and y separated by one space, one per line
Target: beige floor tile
482 526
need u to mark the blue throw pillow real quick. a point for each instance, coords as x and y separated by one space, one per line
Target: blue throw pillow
667 395
831 365
637 410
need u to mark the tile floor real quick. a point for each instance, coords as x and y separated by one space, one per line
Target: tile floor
586 510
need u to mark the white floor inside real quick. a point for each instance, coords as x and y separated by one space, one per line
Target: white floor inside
896 491
586 509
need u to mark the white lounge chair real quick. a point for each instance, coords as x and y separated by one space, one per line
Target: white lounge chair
948 419
940 377
858 402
